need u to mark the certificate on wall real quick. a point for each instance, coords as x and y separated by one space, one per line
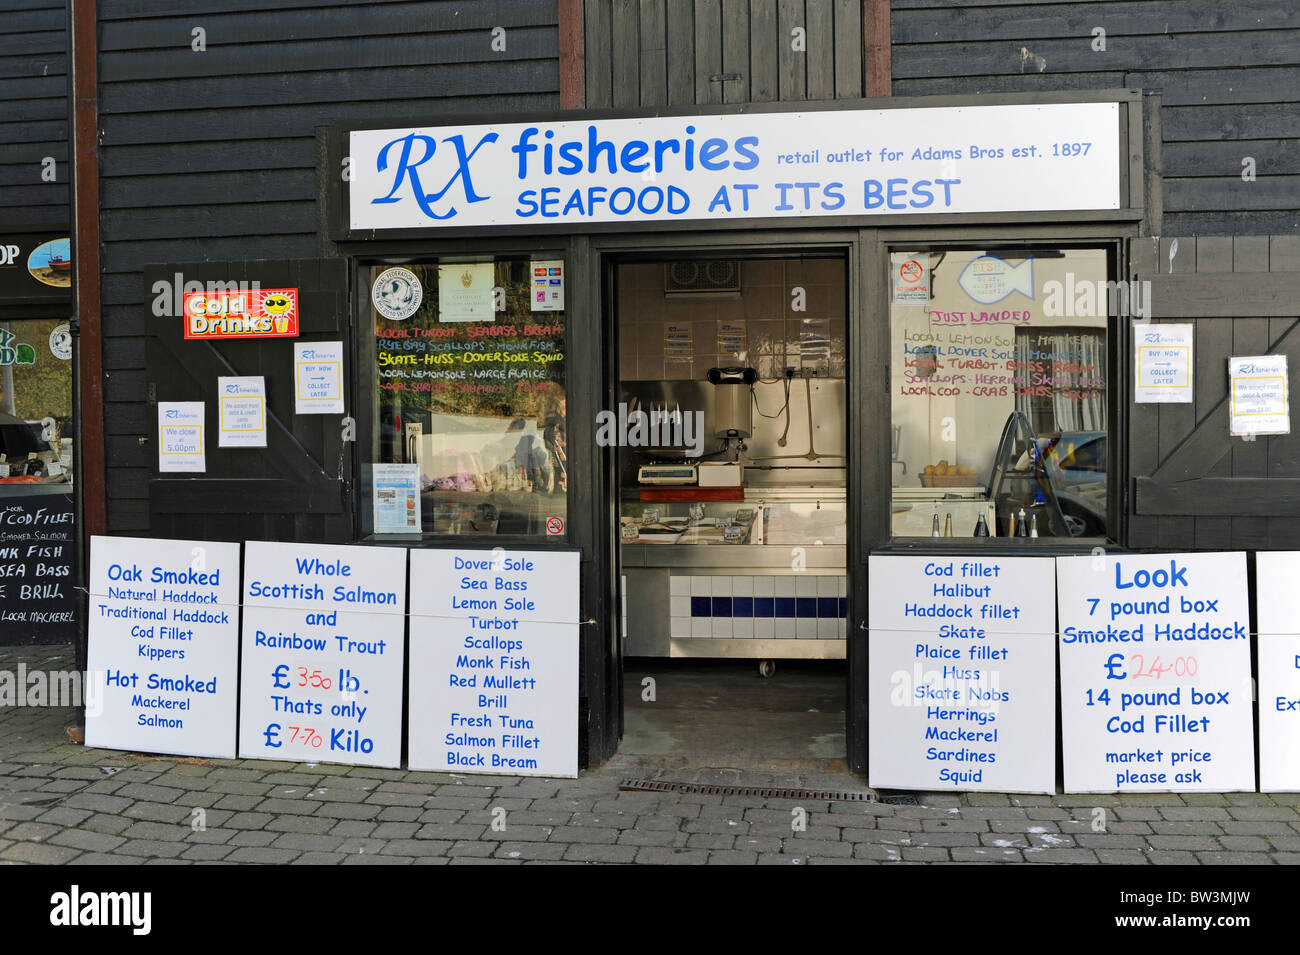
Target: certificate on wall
180 436
397 498
1163 357
242 407
465 292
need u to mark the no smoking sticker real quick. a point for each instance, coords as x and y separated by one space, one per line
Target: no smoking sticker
911 279
554 526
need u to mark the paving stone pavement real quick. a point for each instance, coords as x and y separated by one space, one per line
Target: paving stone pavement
61 802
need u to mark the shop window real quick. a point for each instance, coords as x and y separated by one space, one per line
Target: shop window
470 394
1000 385
36 427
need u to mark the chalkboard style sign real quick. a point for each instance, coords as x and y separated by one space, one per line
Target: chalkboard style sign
38 554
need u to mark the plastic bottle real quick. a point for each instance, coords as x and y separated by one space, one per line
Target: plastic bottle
947 526
981 529
1022 530
934 526
1033 525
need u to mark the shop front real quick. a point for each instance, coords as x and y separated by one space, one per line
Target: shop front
663 385
726 356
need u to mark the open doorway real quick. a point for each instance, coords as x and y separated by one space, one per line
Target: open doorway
731 430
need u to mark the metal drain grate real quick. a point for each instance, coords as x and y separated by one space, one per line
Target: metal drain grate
900 799
759 792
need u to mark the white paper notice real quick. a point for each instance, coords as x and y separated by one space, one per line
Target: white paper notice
1156 694
180 436
1257 395
962 674
1163 355
911 278
164 646
1277 603
397 498
242 405
494 662
547 285
465 292
318 377
323 653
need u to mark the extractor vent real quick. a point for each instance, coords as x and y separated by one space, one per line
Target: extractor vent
702 275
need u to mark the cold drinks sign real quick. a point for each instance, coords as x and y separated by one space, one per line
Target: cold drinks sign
1025 157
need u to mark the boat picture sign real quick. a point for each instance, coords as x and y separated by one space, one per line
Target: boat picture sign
817 163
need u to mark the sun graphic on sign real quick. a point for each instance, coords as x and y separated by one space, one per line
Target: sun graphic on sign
277 304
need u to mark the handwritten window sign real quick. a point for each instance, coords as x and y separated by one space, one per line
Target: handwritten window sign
242 404
1164 363
1258 395
961 671
163 650
318 377
1277 608
323 653
494 662
180 436
1156 694
38 553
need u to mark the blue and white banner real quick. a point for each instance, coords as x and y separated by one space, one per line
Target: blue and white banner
959 159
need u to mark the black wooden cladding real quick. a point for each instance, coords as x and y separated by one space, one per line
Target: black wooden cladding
304 469
1194 486
33 113
210 156
1229 75
686 52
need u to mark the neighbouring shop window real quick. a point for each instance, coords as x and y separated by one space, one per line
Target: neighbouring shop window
36 427
1000 391
470 390
38 532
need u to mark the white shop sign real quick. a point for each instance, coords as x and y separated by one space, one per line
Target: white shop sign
958 159
1277 609
961 674
323 651
1156 693
163 646
494 662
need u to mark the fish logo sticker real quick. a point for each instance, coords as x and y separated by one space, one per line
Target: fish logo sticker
988 279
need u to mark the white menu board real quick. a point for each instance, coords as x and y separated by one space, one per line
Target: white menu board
323 651
494 662
962 674
163 652
1156 694
1277 609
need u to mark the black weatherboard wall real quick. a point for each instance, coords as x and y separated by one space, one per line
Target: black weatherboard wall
210 155
683 52
1228 75
33 113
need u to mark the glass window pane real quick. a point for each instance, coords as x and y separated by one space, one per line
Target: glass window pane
999 373
36 427
471 389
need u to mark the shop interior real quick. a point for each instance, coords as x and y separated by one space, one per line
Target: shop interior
999 380
732 476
